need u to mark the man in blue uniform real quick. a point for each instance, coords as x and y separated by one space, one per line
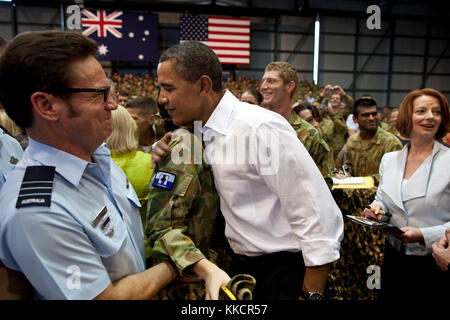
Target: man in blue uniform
69 219
10 154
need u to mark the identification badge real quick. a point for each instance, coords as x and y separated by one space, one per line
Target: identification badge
164 180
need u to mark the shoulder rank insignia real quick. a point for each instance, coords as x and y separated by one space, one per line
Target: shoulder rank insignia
164 180
37 186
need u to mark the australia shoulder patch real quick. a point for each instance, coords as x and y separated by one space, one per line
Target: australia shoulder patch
37 187
164 180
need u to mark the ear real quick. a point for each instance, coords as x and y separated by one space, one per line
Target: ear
205 85
291 86
151 119
44 105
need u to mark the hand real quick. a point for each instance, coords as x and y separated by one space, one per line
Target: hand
441 251
373 213
214 278
340 90
410 235
160 149
338 175
445 240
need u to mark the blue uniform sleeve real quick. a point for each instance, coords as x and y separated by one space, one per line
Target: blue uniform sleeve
55 254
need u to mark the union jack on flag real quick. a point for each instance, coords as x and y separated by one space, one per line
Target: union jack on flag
102 23
122 35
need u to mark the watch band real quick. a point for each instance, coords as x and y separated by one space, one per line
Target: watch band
312 296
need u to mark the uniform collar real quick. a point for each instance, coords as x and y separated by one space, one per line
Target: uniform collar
67 165
294 118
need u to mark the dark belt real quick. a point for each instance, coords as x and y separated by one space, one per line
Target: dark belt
270 258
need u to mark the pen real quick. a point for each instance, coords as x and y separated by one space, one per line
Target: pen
382 212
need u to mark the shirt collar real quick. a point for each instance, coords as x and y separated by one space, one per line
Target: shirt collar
221 116
67 165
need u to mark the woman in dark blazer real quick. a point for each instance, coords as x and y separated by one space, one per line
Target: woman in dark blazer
415 189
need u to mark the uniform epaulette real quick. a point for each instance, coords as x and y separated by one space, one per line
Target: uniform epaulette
37 187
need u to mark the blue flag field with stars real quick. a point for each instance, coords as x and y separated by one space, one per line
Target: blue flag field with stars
123 36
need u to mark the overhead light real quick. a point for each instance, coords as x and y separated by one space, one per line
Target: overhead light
316 50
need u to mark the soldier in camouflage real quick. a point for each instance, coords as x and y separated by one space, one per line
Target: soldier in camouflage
181 214
309 115
366 148
278 84
341 106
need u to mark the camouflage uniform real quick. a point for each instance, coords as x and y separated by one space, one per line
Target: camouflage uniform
366 161
313 142
160 131
181 222
361 247
335 135
326 128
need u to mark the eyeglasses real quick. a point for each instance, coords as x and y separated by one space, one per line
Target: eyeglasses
105 91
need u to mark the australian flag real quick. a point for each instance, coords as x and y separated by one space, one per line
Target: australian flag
122 36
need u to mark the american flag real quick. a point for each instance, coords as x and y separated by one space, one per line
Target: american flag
228 37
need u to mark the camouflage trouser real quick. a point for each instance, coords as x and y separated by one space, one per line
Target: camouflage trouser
195 291
360 248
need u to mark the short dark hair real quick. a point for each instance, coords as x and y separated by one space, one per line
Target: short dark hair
362 103
256 93
39 61
194 59
307 106
123 92
146 105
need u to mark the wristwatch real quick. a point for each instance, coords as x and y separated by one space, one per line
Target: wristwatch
312 296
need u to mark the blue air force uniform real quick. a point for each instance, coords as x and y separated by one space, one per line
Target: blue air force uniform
71 226
10 153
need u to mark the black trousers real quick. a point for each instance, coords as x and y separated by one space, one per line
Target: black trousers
412 277
279 276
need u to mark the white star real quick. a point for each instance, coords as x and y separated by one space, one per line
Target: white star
143 39
146 32
141 57
102 50
141 18
131 35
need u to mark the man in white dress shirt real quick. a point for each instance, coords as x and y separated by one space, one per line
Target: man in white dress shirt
280 215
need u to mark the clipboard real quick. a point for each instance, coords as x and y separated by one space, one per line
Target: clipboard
375 224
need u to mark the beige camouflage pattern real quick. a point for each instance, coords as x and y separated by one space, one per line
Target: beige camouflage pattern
160 131
181 223
313 142
326 128
361 247
365 161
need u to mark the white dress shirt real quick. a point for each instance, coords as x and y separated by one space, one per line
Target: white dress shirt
272 194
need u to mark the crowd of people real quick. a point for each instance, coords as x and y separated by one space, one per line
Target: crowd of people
176 185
